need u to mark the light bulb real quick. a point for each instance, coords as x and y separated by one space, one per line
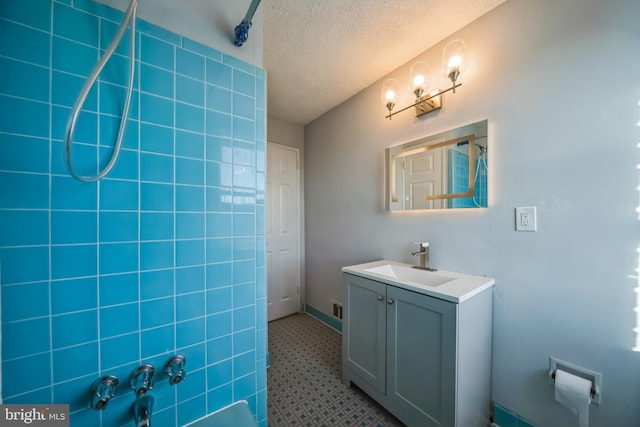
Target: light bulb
389 94
418 78
453 60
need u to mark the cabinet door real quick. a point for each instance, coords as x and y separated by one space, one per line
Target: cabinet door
364 330
421 352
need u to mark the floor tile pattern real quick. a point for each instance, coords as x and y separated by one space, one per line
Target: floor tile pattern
304 386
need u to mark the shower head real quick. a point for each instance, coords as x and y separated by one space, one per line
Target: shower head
242 30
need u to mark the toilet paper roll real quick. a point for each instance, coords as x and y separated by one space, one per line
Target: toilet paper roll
574 393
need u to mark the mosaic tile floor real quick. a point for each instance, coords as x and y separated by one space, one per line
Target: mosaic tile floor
304 386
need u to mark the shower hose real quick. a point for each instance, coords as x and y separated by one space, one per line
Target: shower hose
130 17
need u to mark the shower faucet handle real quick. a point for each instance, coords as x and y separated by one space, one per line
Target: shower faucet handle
141 379
102 390
174 367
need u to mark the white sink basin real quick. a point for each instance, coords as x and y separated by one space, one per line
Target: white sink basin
409 274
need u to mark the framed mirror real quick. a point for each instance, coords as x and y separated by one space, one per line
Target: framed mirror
443 171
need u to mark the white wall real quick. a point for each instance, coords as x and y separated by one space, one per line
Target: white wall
559 83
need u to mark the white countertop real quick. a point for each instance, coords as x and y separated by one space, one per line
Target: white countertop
461 288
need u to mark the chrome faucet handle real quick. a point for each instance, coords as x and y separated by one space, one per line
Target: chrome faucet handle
174 367
102 390
421 244
141 379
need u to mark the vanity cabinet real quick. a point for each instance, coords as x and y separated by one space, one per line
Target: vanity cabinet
426 360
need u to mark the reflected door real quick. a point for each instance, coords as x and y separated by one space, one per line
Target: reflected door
423 177
282 231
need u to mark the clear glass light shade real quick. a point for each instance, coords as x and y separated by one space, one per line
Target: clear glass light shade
454 59
389 95
418 78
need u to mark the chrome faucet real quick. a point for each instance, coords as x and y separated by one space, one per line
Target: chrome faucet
141 410
423 253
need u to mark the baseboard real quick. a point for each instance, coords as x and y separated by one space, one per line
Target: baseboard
323 317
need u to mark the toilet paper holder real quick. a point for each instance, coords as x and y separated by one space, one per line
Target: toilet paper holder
594 377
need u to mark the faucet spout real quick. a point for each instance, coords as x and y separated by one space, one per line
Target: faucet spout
141 410
423 253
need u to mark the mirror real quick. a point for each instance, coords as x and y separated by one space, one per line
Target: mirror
443 171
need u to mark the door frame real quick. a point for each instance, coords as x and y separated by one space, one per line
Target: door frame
300 214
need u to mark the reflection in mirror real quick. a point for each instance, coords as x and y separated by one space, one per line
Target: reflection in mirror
446 170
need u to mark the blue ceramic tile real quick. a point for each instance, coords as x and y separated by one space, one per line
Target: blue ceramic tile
189 117
118 412
261 282
73 329
126 166
86 130
219 149
244 387
73 261
68 227
189 171
260 220
24 154
219 174
189 63
96 8
72 57
189 144
38 42
24 117
191 410
88 417
35 13
218 73
261 127
84 157
220 373
112 100
244 248
190 91
190 279
75 361
219 349
14 380
261 156
118 289
118 226
240 64
157 312
244 271
202 49
219 225
116 71
244 364
244 129
156 52
218 99
21 302
109 128
195 354
219 275
190 333
156 139
244 83
41 396
219 250
15 73
261 339
189 198
261 92
244 341
75 25
65 89
118 195
156 226
219 300
156 284
189 225
244 295
244 225
244 318
73 393
244 176
260 252
190 306
244 199
504 418
108 31
524 423
156 197
220 397
218 124
156 110
156 168
27 337
73 295
219 324
118 320
160 33
157 341
156 81
156 255
18 228
196 386
118 258
244 153
190 252
69 193
260 189
219 199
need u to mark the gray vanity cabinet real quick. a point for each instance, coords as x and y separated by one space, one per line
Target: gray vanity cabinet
410 352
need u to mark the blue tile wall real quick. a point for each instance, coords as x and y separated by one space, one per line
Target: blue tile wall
163 256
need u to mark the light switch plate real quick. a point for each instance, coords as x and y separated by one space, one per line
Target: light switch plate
526 219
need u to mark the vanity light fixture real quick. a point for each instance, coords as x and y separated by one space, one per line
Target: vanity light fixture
453 63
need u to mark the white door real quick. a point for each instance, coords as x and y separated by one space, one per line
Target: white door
282 231
423 177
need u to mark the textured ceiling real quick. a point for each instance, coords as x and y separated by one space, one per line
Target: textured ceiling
318 53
